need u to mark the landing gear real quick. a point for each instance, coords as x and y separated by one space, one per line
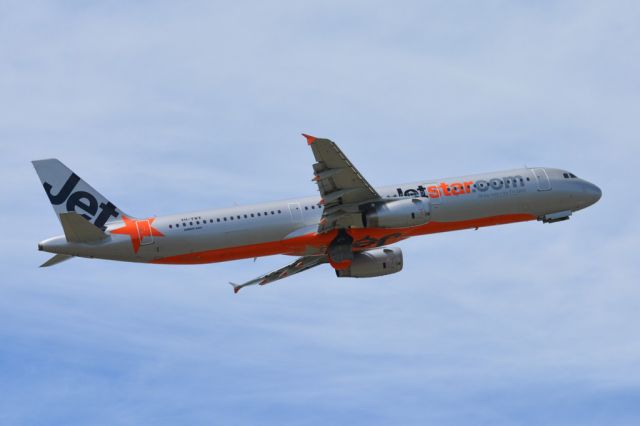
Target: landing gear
340 250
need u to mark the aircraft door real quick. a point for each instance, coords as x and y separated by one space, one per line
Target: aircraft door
296 212
543 179
428 207
435 204
144 232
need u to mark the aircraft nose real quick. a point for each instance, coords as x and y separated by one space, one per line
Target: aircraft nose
592 193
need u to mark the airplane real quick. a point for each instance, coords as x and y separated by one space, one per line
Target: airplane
351 225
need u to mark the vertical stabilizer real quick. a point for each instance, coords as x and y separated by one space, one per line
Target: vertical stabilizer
68 193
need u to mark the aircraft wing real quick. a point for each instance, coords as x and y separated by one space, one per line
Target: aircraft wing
299 265
341 186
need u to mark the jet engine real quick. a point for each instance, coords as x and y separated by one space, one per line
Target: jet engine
374 263
397 214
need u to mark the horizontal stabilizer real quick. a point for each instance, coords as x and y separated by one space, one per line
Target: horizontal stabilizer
58 258
79 230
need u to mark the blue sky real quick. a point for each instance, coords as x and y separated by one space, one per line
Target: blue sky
168 107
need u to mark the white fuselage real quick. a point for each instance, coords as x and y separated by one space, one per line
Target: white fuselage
290 226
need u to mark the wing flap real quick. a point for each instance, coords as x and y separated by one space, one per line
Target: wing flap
330 197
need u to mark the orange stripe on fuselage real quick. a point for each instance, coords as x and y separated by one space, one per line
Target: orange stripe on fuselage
364 238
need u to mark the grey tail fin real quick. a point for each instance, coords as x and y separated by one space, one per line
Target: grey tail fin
77 229
67 192
58 258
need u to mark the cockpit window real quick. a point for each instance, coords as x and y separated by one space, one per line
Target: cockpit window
569 176
573 176
566 175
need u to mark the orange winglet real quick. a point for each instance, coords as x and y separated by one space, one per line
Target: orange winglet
310 139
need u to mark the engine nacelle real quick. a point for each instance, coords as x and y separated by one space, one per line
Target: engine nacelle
397 214
374 263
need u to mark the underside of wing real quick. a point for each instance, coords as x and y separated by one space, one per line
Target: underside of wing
299 265
342 188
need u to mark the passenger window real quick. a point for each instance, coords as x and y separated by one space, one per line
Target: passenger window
170 226
272 212
218 220
184 224
265 213
190 223
279 211
306 207
225 219
198 222
252 215
258 214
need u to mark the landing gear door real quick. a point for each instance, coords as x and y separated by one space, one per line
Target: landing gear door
543 179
